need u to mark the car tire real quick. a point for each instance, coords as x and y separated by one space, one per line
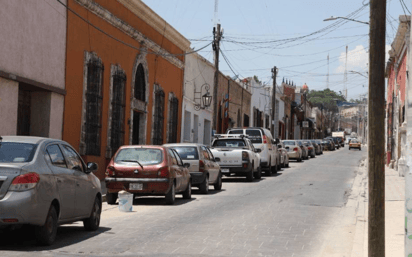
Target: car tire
187 194
204 187
111 198
170 196
258 173
287 165
268 172
249 176
313 156
299 159
93 222
275 168
46 234
218 185
359 148
349 148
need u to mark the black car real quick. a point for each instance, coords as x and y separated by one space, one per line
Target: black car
335 141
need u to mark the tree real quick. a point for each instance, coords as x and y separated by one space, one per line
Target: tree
326 97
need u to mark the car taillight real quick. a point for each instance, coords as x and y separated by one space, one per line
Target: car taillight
265 141
245 155
295 149
163 172
10 220
201 166
25 182
111 171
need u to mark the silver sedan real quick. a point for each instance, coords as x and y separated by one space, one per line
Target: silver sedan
44 182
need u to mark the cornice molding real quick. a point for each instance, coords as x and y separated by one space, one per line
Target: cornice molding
145 13
129 30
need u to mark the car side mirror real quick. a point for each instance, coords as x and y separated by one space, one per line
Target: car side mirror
92 166
217 159
186 165
258 150
279 146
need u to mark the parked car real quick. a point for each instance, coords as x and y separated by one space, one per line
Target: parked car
335 142
319 142
328 145
318 147
147 170
305 151
237 156
294 150
311 148
204 167
354 143
44 182
262 139
284 157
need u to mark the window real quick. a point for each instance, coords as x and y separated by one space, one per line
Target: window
172 155
212 158
229 143
16 152
93 106
187 153
179 161
118 105
205 153
73 160
158 117
56 156
145 156
173 118
140 84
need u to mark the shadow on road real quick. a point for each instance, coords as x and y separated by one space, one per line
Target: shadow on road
211 191
23 239
160 200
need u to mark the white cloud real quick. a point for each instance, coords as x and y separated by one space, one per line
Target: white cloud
358 59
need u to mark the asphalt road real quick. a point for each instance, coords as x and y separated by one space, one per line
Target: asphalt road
283 215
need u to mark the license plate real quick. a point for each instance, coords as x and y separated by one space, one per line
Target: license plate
225 170
135 186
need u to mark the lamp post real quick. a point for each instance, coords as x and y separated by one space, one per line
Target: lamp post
205 100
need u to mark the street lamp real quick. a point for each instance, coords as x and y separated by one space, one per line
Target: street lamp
205 99
344 18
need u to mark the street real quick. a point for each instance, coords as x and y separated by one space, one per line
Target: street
284 215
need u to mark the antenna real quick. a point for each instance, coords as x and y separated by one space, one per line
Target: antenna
215 19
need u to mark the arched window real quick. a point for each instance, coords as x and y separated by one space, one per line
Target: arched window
140 84
158 118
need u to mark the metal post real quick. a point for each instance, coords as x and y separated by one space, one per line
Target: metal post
376 121
274 74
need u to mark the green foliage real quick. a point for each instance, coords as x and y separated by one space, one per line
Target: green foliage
355 101
326 97
256 79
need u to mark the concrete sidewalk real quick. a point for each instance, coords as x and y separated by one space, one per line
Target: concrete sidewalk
394 216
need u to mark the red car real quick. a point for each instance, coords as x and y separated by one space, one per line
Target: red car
147 170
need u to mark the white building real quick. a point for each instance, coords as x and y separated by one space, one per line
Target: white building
198 80
32 67
260 104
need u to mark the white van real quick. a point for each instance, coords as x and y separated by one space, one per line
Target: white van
262 138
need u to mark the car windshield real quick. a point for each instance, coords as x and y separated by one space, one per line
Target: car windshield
145 156
353 141
255 136
16 152
229 143
288 142
187 153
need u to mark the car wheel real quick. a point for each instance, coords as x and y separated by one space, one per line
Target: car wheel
300 159
249 176
187 194
204 187
268 172
287 165
275 168
111 198
359 148
258 174
349 148
170 196
93 222
218 185
313 156
46 234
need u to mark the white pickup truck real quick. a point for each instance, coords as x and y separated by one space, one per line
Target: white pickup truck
237 156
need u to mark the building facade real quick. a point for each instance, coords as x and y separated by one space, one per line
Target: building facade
122 89
32 67
196 121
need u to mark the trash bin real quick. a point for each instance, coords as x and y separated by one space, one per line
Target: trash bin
125 201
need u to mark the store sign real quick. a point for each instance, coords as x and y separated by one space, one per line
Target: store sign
305 124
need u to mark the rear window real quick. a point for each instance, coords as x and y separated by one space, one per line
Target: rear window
229 143
187 153
236 131
17 152
288 142
145 156
254 135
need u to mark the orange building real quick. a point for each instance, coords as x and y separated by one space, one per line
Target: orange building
124 78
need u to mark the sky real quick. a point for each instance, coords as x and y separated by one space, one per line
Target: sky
291 35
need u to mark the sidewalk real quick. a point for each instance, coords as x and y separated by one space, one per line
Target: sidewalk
394 215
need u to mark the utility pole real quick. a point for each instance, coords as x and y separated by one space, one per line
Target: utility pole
274 74
217 35
376 123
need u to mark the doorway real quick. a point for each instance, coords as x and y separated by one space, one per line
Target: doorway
23 113
136 128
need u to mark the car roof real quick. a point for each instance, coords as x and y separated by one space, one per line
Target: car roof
143 146
182 144
27 139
